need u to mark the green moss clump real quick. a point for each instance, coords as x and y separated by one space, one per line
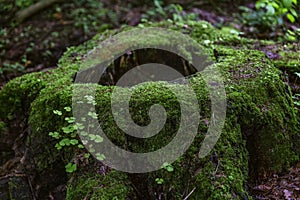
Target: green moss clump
289 61
42 108
113 185
260 135
264 107
17 95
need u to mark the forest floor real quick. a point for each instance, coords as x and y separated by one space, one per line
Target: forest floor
39 42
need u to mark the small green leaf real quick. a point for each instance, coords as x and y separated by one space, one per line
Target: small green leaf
297 103
294 13
58 146
84 142
89 97
284 10
291 32
65 142
98 139
70 119
290 17
70 167
92 114
62 143
90 100
79 126
74 141
83 133
275 5
290 37
54 134
57 112
68 129
92 136
159 181
100 156
259 5
91 149
68 109
168 167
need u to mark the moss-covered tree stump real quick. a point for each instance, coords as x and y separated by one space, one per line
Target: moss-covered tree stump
260 135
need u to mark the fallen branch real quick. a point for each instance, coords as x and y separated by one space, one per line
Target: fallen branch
33 9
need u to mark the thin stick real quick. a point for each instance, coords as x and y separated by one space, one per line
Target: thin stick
190 194
34 8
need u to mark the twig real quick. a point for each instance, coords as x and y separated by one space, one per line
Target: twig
34 8
216 168
190 193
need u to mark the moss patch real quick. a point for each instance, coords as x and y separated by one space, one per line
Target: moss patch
290 61
96 186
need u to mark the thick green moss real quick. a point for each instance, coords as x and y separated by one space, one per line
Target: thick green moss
18 94
260 135
95 186
289 61
263 104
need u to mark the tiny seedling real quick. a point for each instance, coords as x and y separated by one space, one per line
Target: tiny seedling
159 181
70 167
